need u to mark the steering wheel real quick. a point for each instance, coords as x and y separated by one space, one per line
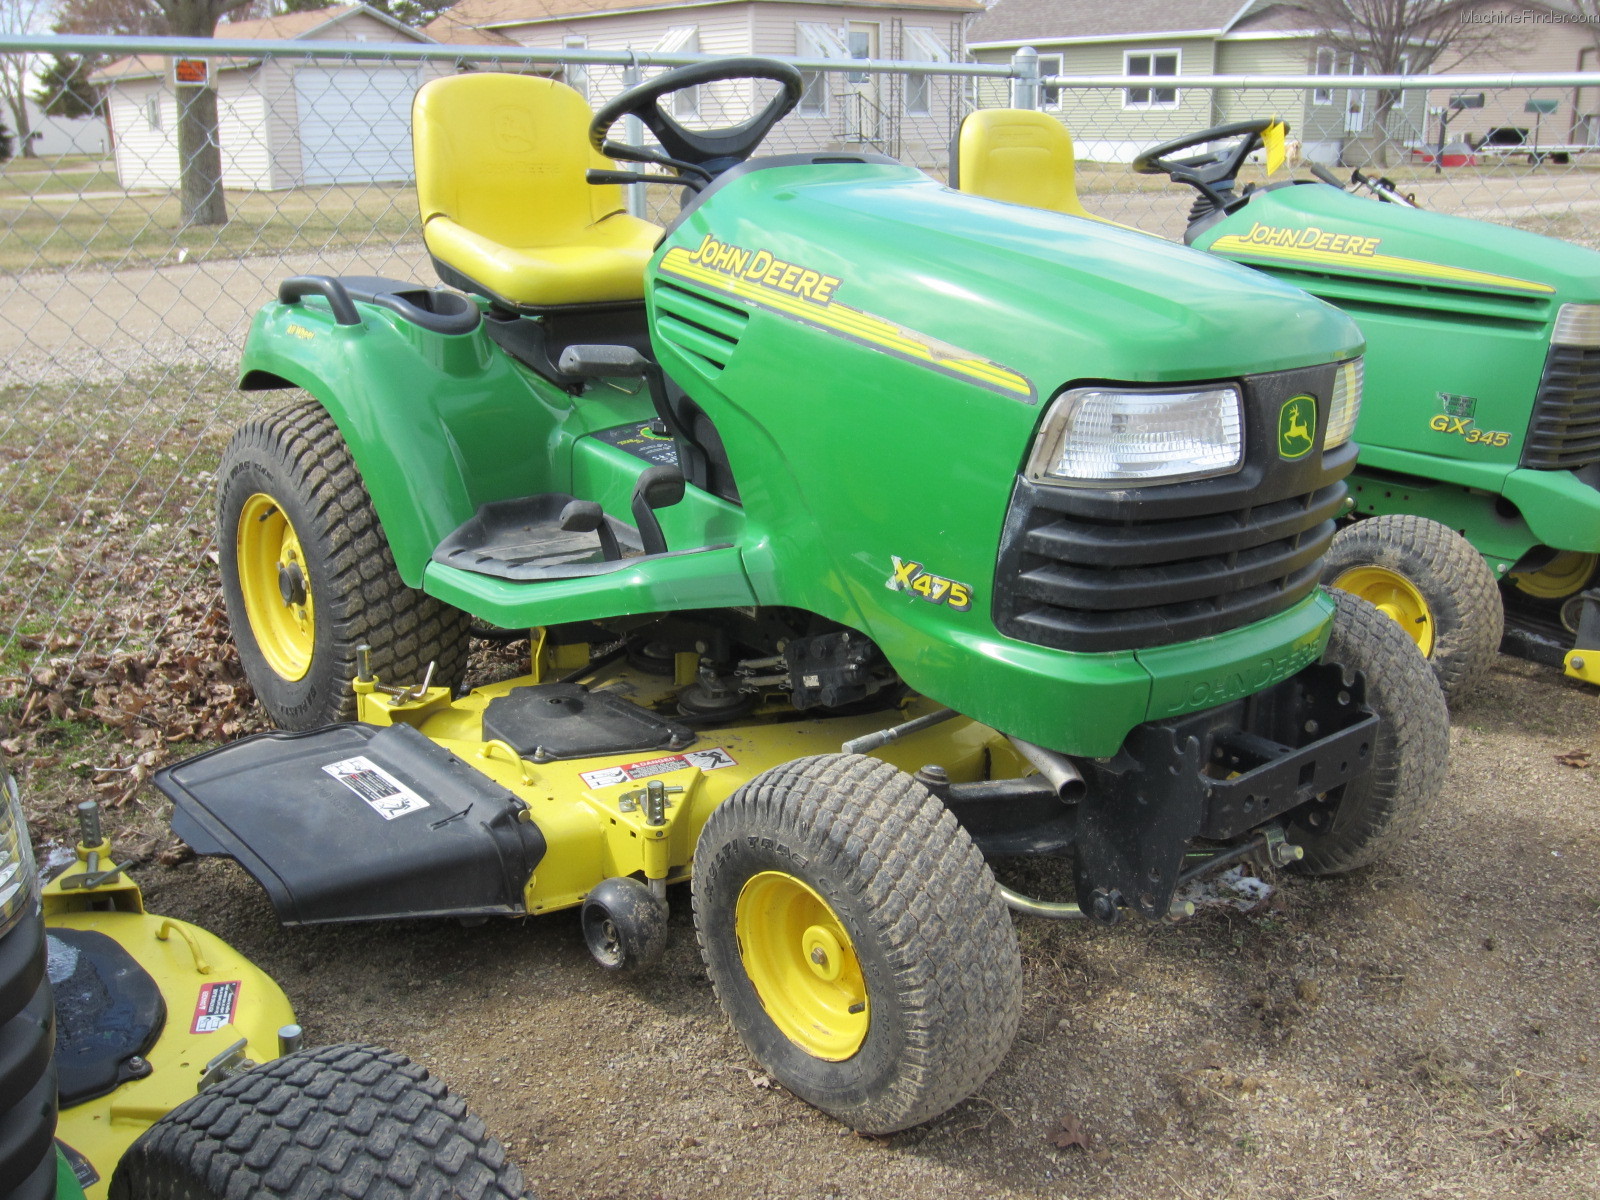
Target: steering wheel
706 153
1212 173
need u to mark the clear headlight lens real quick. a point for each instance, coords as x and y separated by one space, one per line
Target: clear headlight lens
1095 435
18 876
1577 325
1346 404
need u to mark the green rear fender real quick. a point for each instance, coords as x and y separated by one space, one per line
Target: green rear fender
427 416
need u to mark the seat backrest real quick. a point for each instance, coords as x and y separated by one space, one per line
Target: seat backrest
504 156
1018 156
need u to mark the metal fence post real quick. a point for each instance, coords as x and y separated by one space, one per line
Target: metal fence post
633 135
1025 78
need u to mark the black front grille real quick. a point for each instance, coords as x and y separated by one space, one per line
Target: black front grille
1565 431
1091 569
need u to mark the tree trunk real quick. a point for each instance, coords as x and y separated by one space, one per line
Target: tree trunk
200 158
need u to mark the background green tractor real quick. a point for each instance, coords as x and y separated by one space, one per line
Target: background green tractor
143 1058
1476 501
841 463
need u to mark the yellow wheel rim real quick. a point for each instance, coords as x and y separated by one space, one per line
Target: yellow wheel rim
1396 597
276 585
1565 574
803 965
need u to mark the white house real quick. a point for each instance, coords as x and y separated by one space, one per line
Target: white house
283 122
908 117
54 136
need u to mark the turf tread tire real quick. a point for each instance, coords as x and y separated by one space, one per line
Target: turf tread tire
351 1120
1385 807
1469 616
358 591
935 941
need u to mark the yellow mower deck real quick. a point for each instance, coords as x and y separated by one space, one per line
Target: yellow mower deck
214 997
593 811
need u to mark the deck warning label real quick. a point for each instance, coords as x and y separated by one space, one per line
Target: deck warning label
215 1006
706 760
385 794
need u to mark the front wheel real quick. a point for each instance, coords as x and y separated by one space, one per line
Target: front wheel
857 940
1365 819
349 1121
1429 580
308 575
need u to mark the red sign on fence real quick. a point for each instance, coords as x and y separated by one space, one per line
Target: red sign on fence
191 72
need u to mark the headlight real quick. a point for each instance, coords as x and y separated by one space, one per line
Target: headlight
1577 325
1093 435
1346 404
18 877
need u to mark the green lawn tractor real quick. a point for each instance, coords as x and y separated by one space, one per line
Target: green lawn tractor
143 1058
1481 426
865 531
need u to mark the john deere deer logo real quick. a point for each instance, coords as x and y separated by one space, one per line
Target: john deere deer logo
1297 423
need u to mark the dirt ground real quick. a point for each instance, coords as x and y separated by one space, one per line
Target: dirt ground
1426 1028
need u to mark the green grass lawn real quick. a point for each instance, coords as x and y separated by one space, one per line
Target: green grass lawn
132 229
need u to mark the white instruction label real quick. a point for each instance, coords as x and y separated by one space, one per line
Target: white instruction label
386 795
706 760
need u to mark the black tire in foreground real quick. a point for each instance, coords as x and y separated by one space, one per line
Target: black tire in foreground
308 575
857 940
339 1121
1428 577
1367 818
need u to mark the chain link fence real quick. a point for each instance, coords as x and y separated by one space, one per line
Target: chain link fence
126 297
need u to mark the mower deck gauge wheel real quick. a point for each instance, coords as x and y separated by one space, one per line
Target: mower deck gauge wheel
624 925
857 940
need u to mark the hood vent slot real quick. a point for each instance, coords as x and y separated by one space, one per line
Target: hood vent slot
705 330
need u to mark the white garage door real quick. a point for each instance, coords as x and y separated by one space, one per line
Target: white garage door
355 123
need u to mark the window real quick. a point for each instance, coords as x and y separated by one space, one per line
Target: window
152 112
817 41
1049 97
1158 64
577 73
682 39
925 46
1326 60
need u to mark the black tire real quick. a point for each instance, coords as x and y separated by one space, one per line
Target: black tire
1368 817
297 458
1460 591
936 951
339 1121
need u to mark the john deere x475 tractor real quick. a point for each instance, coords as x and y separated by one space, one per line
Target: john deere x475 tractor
1476 502
865 530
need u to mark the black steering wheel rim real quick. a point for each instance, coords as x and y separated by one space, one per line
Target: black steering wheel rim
714 150
1204 167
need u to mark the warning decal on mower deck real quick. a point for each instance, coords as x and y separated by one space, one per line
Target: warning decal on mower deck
215 1006
385 794
706 760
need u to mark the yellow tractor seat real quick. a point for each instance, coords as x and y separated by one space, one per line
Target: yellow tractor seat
506 212
1018 156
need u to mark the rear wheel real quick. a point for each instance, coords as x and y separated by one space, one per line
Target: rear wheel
354 1121
1365 819
308 576
1429 580
857 940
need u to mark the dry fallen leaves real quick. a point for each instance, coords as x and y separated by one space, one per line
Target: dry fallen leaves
1071 1134
1575 758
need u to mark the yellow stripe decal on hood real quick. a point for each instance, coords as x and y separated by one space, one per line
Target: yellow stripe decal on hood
1301 247
806 295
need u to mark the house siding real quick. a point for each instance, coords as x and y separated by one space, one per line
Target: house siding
1533 47
146 157
746 28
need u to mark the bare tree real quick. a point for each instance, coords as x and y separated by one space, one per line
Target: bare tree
20 16
199 148
1401 37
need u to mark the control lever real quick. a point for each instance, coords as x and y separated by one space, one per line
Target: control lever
585 516
658 487
589 361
